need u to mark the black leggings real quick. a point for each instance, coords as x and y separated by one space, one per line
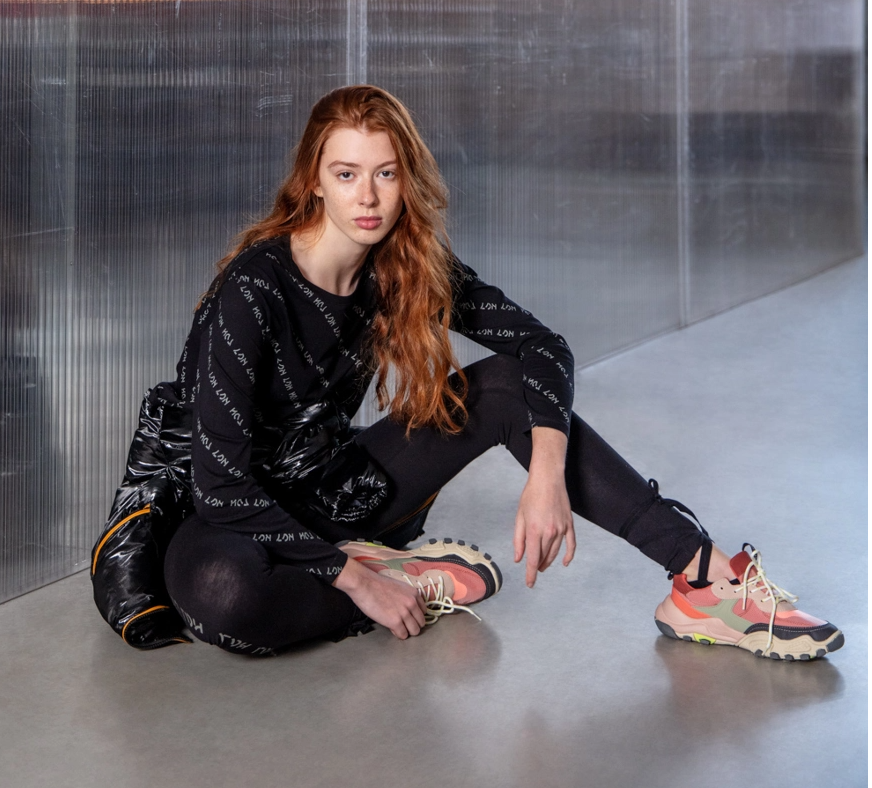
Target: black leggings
234 594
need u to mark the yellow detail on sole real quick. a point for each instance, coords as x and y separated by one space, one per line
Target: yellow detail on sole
704 639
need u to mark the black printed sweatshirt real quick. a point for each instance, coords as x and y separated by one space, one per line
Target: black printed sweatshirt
269 343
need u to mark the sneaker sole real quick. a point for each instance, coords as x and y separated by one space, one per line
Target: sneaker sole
714 632
469 555
437 551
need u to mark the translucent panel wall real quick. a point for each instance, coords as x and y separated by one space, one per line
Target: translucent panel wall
554 124
621 168
137 137
774 104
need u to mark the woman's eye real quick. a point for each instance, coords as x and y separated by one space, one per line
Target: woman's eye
388 174
344 176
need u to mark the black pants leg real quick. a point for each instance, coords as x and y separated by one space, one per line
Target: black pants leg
233 594
603 488
240 599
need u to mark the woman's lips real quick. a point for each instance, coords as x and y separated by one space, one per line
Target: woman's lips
368 222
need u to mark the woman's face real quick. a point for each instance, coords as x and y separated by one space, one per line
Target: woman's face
358 181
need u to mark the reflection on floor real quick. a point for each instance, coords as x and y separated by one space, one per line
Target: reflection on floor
756 419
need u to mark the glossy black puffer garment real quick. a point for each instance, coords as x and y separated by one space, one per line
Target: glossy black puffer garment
314 466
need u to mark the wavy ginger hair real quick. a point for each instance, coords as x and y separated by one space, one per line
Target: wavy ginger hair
413 264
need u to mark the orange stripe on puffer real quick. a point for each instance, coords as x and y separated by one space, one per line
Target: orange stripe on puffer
685 607
145 510
140 615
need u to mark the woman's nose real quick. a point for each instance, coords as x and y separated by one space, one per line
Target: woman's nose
368 194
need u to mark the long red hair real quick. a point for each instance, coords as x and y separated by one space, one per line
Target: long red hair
413 263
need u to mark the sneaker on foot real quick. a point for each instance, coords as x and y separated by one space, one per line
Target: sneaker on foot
748 611
448 574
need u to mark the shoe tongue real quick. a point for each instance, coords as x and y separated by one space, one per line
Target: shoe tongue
739 563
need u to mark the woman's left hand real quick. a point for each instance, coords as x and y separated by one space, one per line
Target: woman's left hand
544 518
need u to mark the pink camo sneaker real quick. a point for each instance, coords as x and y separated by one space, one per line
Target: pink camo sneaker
749 611
449 574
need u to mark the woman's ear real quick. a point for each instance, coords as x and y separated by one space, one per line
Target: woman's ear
319 192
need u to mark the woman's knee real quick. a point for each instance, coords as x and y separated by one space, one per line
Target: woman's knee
496 371
495 378
222 606
215 585
213 588
495 400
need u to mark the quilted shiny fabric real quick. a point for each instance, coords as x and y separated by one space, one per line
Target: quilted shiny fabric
316 467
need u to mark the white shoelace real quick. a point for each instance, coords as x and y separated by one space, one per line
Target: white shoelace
437 603
774 593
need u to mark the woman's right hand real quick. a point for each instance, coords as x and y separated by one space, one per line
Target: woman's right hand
391 603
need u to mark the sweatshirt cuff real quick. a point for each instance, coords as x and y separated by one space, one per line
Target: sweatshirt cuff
554 423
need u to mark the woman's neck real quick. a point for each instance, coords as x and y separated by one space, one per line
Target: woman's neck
333 264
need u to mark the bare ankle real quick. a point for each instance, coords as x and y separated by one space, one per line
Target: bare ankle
719 565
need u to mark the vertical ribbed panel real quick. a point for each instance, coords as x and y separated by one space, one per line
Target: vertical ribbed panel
553 123
137 138
776 144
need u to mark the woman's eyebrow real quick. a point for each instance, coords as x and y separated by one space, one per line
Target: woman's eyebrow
349 165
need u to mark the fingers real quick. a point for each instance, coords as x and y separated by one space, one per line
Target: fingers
406 628
543 548
520 537
570 545
411 623
533 560
413 620
544 519
390 602
550 549
418 612
415 606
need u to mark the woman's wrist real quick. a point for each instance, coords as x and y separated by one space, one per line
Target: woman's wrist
548 460
351 577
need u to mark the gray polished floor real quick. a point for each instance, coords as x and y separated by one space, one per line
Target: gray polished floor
756 419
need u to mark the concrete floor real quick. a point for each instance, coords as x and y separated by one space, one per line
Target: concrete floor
756 419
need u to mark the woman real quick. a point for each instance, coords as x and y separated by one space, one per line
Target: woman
351 276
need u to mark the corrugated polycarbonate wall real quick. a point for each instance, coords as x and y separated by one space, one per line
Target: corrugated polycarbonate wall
620 168
774 102
554 125
137 138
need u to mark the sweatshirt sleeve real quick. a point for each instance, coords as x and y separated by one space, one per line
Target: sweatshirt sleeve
483 313
234 353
